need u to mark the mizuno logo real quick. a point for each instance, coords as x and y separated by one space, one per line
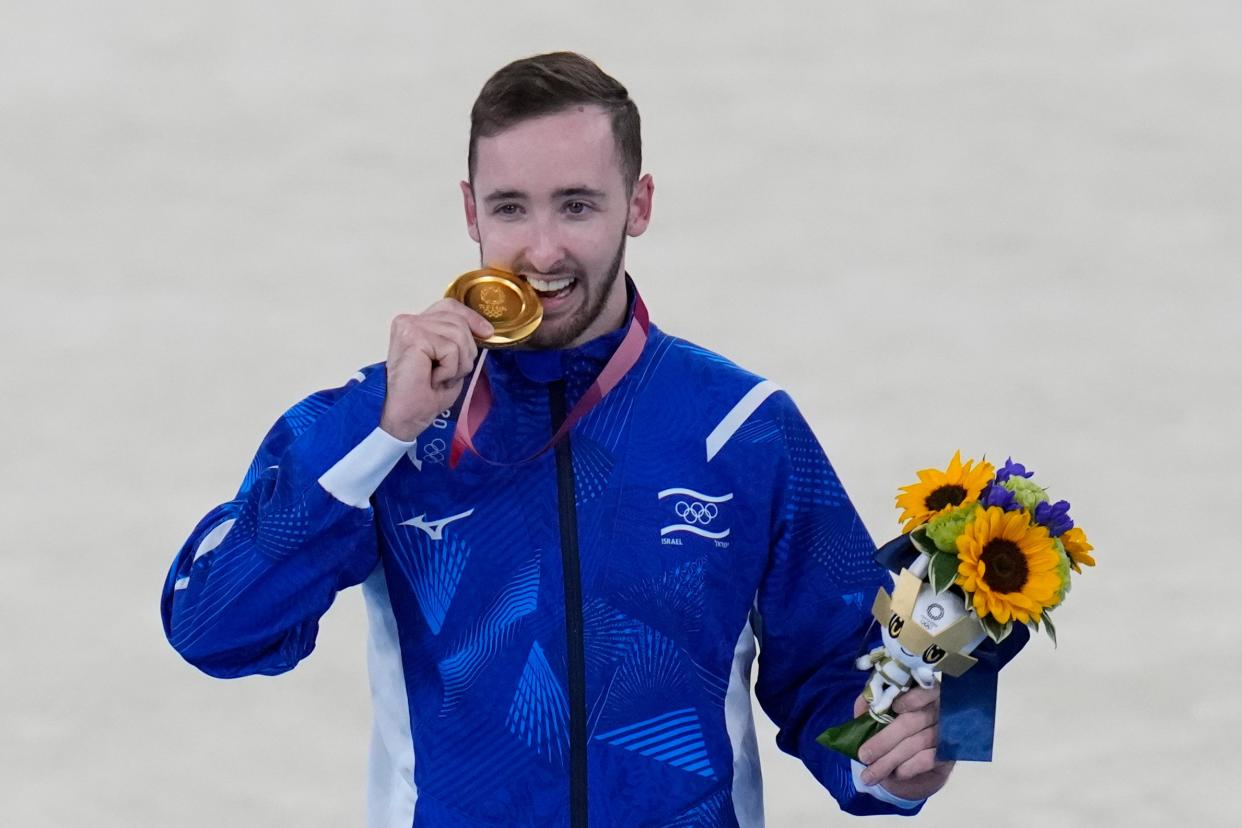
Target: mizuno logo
695 512
434 528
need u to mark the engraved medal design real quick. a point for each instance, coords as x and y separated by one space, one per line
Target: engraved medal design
505 300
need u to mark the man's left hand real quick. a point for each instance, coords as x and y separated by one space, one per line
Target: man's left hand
902 757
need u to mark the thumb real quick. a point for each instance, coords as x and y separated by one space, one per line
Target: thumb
479 326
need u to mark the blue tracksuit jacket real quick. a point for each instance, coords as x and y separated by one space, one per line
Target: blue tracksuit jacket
567 641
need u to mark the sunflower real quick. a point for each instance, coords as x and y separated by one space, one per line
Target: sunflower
1076 546
1008 565
939 490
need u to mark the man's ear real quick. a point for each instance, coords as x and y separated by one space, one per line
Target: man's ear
640 206
472 215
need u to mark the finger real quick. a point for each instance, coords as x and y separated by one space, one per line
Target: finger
449 391
916 698
923 762
860 705
453 334
440 305
402 334
478 325
903 751
421 334
902 728
445 321
413 375
445 357
466 343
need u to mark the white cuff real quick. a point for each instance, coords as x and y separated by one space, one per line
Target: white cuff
878 792
357 475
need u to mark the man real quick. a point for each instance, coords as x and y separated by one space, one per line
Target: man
564 639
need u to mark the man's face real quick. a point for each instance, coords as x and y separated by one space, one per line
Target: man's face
549 202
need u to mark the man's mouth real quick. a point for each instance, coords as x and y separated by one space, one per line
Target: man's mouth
551 288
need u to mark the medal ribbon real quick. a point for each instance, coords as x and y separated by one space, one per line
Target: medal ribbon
478 401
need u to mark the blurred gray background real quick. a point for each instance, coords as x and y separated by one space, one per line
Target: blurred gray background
1010 228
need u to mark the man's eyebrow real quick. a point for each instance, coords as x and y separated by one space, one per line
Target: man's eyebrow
503 195
580 190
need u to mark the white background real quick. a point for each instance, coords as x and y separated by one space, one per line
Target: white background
1010 228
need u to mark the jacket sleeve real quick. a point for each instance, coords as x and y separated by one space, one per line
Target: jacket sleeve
245 593
813 616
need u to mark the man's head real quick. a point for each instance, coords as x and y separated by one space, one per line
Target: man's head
554 188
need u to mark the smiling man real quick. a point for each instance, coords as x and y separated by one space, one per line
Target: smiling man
565 236
563 624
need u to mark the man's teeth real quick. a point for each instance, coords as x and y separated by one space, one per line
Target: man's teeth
550 286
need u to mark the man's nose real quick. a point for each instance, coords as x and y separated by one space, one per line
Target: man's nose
544 251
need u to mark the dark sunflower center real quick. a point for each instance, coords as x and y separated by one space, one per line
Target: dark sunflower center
949 495
1005 567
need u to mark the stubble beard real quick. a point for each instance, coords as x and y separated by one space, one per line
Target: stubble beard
567 331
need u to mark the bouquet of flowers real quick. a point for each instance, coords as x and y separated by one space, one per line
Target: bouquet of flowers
981 551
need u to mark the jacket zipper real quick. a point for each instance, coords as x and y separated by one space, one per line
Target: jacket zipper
573 612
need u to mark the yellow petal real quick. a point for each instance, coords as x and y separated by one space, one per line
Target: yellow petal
998 608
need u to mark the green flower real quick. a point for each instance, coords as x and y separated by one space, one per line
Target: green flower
944 529
1028 494
1063 569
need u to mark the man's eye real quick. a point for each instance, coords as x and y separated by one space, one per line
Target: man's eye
577 208
508 209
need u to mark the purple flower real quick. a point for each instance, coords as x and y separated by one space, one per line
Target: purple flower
1055 516
1011 469
995 495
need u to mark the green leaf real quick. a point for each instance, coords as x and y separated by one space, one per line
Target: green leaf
849 736
921 542
995 630
943 571
1049 628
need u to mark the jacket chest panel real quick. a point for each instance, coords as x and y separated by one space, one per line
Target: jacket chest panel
469 546
687 544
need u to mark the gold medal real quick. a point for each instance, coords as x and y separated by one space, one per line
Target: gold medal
508 302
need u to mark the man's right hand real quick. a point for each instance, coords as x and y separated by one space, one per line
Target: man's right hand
429 354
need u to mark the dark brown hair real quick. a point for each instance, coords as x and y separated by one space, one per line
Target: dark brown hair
550 83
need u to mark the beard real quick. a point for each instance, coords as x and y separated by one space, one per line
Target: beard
565 331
